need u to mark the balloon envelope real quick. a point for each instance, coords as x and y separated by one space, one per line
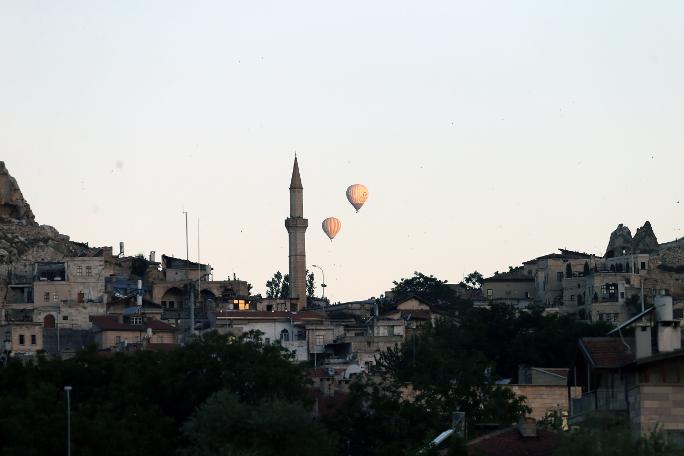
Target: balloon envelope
357 195
331 226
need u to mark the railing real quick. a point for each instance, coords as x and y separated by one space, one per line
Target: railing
599 400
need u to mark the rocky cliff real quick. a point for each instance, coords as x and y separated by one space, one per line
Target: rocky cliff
13 206
620 240
645 240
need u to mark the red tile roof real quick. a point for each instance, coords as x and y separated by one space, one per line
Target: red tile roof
108 323
509 442
607 352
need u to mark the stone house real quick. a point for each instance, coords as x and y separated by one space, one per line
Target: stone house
22 338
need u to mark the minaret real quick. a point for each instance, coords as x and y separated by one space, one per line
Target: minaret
296 226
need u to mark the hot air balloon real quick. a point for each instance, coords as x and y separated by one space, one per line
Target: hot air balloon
331 226
357 195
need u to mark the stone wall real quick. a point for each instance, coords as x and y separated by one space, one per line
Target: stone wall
659 404
544 398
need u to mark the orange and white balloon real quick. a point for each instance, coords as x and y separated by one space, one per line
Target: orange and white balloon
331 226
357 195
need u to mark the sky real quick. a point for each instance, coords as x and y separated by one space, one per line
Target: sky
488 132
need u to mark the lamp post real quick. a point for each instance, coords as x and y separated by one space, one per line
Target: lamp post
323 285
68 390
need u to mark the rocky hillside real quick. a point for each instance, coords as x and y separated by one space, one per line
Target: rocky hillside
21 238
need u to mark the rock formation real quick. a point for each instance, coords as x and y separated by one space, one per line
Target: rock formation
645 240
21 238
620 240
13 206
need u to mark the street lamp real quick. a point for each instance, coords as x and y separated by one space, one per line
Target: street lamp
68 390
323 285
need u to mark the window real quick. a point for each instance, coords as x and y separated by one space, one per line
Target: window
22 339
284 335
579 286
527 294
559 276
65 317
46 296
572 298
33 339
622 295
136 320
118 339
89 271
172 304
319 340
643 265
267 341
390 331
490 292
79 270
55 297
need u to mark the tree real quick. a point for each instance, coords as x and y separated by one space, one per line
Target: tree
611 435
224 425
473 281
310 285
427 287
139 265
279 286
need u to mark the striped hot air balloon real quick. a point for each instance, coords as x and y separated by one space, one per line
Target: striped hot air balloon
331 226
357 195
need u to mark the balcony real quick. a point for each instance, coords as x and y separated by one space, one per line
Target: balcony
599 400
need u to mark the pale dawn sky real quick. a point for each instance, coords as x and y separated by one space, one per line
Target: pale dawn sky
488 132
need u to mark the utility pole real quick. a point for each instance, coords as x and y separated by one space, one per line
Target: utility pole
323 285
68 391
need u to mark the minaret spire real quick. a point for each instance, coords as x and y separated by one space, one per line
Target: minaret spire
296 226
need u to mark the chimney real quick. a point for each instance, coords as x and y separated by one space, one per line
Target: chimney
153 256
669 330
642 334
121 249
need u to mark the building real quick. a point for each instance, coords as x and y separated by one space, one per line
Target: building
296 226
545 390
132 329
303 333
22 339
515 288
640 377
